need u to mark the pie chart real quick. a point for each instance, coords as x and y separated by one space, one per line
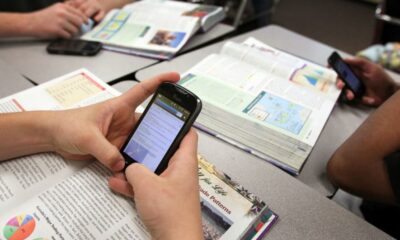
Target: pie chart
19 227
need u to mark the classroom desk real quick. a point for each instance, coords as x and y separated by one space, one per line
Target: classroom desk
343 121
303 212
199 39
11 81
30 58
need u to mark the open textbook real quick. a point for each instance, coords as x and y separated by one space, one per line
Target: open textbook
44 196
154 28
270 103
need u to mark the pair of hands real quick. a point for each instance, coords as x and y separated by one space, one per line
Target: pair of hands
65 19
379 85
167 204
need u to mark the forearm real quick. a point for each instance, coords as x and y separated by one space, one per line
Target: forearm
358 166
110 4
188 228
24 133
15 25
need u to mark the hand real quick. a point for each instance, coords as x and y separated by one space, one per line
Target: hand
169 204
91 8
58 20
100 130
379 85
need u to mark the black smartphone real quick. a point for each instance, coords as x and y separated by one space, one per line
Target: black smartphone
345 72
74 47
159 131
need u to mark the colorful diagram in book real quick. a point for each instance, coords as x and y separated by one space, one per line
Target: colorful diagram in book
168 38
19 227
74 90
112 26
312 77
200 11
278 112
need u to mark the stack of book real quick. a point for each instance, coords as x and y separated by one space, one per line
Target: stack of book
154 28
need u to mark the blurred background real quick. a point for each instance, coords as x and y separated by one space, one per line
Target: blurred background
349 25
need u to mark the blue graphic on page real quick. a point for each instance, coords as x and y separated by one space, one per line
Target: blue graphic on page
278 112
312 80
113 26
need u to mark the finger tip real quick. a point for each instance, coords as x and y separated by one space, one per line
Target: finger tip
118 166
175 76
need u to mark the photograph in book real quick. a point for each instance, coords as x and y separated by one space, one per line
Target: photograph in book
167 38
225 203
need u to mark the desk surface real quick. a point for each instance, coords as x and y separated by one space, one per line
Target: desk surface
304 213
30 58
343 121
11 81
217 31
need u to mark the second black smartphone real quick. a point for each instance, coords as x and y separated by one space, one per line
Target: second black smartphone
74 47
159 131
345 72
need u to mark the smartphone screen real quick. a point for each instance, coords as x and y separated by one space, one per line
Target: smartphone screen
346 74
156 132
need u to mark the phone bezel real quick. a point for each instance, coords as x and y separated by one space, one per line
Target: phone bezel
56 47
184 98
333 59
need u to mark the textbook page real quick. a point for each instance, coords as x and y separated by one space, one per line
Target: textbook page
146 28
209 15
228 210
21 178
80 207
259 106
83 207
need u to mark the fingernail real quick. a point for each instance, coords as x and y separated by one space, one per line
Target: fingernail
118 166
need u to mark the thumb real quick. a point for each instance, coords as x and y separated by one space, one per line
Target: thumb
358 63
137 173
108 154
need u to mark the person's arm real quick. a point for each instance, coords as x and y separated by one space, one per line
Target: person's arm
358 164
169 204
378 84
24 133
97 9
95 131
58 20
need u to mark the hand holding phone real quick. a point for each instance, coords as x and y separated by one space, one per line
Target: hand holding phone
345 73
168 117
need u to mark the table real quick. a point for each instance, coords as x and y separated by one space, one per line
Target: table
303 212
30 58
343 121
11 81
199 39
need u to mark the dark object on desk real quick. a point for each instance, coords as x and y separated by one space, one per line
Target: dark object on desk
345 72
387 26
74 47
